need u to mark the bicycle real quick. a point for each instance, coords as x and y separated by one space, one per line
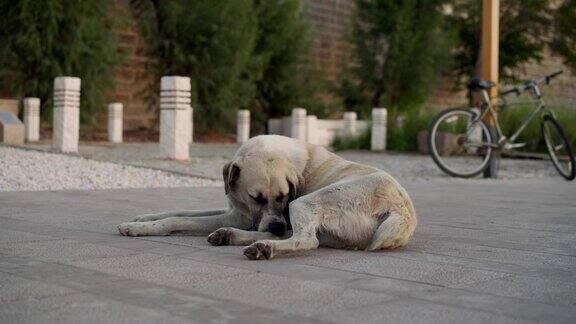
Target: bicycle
462 145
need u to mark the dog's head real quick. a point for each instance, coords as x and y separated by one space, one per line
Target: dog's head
265 185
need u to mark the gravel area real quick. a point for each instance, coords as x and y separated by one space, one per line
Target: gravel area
207 160
421 167
27 170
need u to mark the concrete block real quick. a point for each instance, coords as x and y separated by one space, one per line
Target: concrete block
299 124
379 119
312 129
243 127
115 123
66 128
446 143
275 126
11 129
349 118
423 142
9 105
32 119
175 117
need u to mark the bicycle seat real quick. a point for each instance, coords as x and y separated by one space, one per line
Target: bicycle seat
478 84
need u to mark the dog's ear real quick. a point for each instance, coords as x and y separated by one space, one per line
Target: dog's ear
230 173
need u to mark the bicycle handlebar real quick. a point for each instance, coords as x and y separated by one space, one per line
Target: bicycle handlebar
550 77
518 89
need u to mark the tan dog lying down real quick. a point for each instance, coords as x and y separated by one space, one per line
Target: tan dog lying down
330 202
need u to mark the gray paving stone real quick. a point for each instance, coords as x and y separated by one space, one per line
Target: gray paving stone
414 311
532 288
295 296
413 270
159 269
80 308
485 251
11 236
16 288
60 250
509 306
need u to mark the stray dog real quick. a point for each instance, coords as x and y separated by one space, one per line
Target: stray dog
275 183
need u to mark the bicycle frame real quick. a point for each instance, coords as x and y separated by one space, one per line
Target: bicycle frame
504 142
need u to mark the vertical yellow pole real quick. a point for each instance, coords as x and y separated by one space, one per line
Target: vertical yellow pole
490 39
489 57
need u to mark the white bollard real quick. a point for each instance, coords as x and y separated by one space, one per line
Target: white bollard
243 128
66 114
32 119
191 125
175 117
350 123
299 124
115 124
312 129
379 118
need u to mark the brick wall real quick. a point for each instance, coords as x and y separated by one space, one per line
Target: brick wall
330 22
330 26
134 76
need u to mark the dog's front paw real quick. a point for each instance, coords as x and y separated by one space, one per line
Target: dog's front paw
258 251
220 236
130 229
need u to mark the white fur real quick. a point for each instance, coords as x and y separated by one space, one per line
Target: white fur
339 203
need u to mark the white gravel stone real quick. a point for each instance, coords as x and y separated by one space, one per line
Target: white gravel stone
27 170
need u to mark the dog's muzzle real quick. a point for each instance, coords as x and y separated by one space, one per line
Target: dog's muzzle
277 228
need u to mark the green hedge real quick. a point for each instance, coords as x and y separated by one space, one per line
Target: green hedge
40 40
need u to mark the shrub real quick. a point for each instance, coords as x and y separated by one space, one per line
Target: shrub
512 116
44 39
360 142
402 49
404 139
238 54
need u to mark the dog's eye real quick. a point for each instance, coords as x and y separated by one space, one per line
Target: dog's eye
260 199
280 198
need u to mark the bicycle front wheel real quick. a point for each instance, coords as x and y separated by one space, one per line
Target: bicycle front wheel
558 147
460 143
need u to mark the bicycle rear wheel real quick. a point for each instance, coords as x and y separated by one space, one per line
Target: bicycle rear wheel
460 143
558 147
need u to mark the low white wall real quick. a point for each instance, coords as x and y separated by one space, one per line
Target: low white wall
326 130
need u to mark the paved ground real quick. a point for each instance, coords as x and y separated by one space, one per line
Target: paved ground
207 160
484 251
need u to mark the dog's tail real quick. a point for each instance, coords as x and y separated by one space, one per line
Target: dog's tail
395 230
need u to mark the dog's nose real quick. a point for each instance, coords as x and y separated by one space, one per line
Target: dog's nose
277 228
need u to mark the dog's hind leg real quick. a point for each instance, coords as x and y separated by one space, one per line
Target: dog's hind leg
393 232
235 236
396 229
